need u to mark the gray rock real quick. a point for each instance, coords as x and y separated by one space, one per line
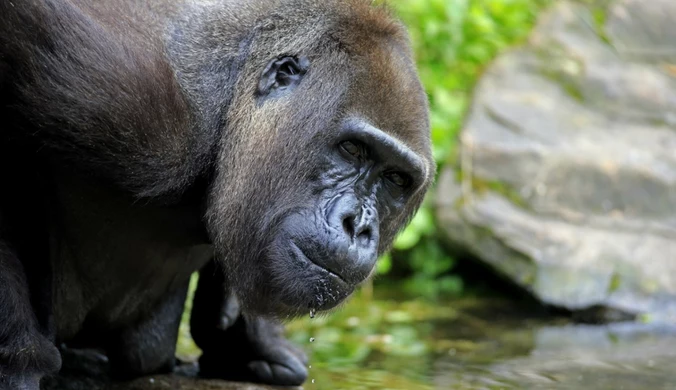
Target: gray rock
567 178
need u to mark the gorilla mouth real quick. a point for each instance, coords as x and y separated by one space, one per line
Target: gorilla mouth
300 255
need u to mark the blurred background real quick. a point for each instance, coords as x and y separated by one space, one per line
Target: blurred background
545 256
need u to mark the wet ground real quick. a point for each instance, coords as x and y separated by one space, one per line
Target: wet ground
165 382
487 343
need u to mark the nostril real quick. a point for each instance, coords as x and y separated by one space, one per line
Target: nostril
348 226
364 236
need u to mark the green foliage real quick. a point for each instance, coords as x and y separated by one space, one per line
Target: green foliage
453 41
186 348
388 340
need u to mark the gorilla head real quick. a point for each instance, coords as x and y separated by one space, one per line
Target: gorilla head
326 152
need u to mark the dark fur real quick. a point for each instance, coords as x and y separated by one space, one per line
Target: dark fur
137 143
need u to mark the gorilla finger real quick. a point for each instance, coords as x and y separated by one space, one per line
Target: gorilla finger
284 356
297 352
230 313
277 374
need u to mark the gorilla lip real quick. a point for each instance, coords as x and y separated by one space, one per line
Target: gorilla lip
300 255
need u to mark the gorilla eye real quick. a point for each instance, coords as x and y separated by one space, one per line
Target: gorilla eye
399 179
351 148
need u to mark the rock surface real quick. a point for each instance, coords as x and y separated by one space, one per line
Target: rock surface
185 378
566 182
160 382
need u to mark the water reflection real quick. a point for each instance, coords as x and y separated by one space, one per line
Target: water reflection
485 344
617 356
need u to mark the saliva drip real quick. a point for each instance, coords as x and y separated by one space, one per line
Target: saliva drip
313 312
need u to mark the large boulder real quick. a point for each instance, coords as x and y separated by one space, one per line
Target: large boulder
566 181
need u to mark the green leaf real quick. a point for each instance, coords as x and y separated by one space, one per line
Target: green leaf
407 239
384 264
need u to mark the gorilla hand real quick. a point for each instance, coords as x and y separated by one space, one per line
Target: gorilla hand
240 347
261 353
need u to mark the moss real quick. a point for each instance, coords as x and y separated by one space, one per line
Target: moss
554 53
650 286
615 283
645 318
600 16
481 186
599 10
528 279
459 203
571 89
569 86
457 173
552 56
482 232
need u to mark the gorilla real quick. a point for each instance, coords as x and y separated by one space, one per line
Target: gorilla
276 146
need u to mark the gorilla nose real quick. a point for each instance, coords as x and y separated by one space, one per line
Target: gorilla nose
355 240
357 229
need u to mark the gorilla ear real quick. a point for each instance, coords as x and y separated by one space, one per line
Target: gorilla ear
282 75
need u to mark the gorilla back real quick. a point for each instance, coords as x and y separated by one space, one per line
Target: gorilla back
275 145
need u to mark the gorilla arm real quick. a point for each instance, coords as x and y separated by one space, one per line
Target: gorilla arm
236 346
92 99
26 354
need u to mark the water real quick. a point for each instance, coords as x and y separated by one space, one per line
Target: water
481 344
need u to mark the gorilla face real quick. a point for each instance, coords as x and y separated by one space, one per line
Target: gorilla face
327 157
332 240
